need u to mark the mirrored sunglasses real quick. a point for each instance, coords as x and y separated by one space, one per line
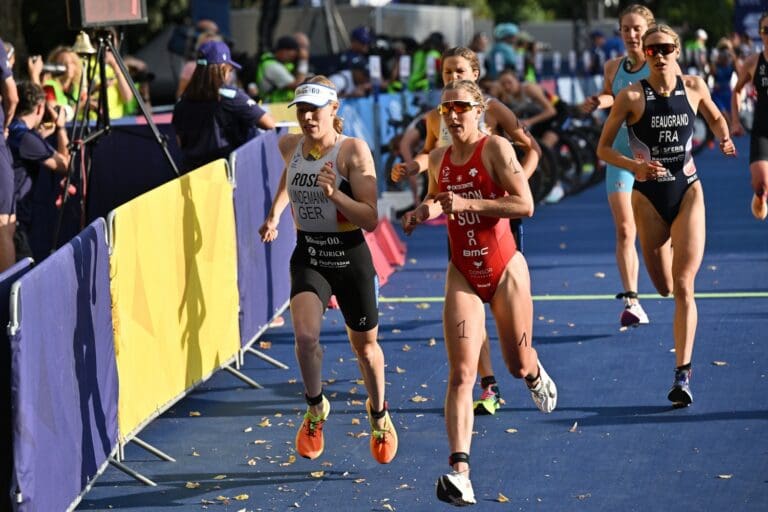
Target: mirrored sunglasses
459 107
659 49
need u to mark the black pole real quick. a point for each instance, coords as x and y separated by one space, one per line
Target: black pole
161 140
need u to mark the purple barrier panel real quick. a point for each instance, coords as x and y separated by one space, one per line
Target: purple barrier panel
262 269
7 279
64 375
126 163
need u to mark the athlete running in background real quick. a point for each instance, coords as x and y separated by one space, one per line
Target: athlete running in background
461 63
755 70
667 200
478 182
619 73
330 182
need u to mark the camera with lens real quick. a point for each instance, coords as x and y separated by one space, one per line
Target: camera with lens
50 115
54 69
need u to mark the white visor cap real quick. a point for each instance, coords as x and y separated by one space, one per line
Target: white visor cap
314 94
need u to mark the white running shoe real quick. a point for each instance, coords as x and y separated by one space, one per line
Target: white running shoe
633 315
544 393
556 194
456 489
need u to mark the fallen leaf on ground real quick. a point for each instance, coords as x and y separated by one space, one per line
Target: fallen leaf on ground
432 342
574 426
419 399
725 477
399 370
406 348
220 477
251 462
260 441
317 474
247 429
355 421
242 497
719 363
292 381
359 480
265 423
583 496
265 345
388 507
511 431
423 305
502 499
192 485
600 275
194 413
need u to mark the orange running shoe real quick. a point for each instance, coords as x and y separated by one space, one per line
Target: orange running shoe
309 438
383 441
759 207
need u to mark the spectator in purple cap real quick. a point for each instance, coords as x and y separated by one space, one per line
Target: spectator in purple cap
212 117
359 47
277 74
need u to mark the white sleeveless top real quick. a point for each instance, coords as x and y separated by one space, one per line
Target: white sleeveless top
312 210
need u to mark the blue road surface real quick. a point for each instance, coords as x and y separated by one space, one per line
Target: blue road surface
614 442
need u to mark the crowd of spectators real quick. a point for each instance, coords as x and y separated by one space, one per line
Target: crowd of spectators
229 98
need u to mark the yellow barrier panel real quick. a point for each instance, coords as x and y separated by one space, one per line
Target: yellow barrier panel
283 115
174 291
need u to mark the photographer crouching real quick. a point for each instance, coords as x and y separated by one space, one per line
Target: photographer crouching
35 121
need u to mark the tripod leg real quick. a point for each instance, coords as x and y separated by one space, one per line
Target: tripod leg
143 107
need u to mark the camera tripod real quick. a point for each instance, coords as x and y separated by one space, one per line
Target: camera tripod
85 134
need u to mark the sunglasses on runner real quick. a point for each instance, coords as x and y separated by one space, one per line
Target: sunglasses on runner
659 49
459 107
763 30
